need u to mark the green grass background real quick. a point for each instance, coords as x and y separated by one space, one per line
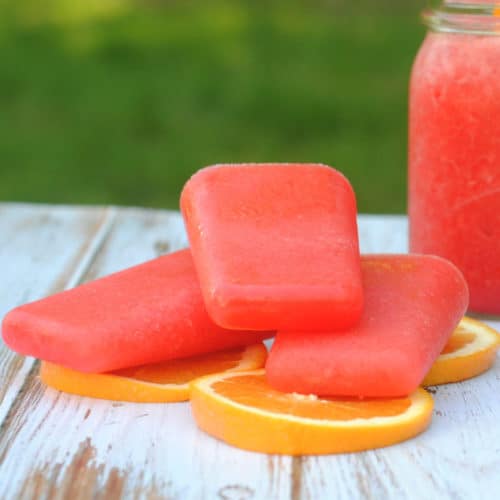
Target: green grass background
109 101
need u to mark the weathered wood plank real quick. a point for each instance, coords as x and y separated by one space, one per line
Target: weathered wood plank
80 448
59 446
458 457
383 233
43 249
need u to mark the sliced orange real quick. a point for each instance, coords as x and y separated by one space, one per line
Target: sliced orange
158 383
244 411
470 351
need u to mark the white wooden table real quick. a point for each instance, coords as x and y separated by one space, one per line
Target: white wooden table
54 445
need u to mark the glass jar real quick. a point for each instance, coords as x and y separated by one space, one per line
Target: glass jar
454 145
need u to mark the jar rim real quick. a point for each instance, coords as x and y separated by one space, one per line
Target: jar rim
464 18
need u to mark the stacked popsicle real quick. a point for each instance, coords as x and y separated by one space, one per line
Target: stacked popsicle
274 248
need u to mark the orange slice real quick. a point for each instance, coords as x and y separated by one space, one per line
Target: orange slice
243 410
162 382
470 351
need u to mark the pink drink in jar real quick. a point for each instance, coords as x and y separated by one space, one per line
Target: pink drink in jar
454 145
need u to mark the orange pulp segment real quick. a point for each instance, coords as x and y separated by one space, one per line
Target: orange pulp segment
244 411
161 382
470 351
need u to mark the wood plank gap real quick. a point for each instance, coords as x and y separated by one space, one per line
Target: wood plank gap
96 243
77 276
296 479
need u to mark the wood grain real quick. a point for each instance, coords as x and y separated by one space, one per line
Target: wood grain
155 449
59 446
42 250
458 457
383 233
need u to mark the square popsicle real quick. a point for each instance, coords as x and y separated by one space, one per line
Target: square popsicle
275 245
145 314
412 305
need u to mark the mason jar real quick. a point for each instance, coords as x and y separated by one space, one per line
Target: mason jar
454 145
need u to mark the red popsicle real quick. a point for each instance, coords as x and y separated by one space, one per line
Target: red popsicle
145 314
412 305
275 245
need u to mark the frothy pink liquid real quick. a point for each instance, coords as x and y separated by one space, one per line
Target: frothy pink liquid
454 159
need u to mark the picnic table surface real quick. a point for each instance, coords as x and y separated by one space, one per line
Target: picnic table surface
55 445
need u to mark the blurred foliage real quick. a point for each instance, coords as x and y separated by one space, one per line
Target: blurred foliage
109 101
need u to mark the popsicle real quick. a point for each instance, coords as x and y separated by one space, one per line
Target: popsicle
145 314
412 305
275 245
